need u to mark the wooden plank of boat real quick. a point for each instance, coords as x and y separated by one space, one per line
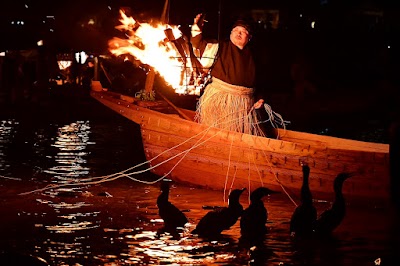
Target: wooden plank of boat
213 156
216 159
261 157
333 142
206 172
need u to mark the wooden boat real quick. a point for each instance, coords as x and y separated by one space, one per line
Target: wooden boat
196 154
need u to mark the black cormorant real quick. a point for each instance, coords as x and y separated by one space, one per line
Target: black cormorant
214 222
330 219
172 216
305 215
254 218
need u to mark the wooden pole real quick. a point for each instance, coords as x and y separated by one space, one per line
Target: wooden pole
148 87
165 13
96 69
182 114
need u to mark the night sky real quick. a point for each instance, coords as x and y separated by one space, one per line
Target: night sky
68 30
354 41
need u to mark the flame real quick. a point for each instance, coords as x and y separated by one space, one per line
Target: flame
149 44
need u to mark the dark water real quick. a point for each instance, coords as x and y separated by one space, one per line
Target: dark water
115 223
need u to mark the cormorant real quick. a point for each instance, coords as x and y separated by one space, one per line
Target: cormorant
214 222
304 216
330 219
254 217
172 216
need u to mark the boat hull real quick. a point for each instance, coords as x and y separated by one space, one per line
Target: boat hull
208 157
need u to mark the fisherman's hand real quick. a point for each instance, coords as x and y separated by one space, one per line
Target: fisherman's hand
199 21
258 104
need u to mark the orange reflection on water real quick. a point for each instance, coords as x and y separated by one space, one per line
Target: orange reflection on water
6 135
72 141
165 249
71 227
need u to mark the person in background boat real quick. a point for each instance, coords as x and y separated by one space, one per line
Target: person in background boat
87 74
227 101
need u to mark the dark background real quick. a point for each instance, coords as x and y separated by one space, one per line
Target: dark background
352 48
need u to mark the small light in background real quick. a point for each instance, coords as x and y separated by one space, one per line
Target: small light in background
388 46
2 53
81 57
63 64
91 22
313 24
40 43
26 6
301 15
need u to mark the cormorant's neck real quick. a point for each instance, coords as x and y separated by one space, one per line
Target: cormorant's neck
305 190
234 204
338 192
163 196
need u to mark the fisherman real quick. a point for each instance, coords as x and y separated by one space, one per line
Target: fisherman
227 101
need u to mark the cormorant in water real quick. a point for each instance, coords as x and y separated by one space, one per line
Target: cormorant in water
330 219
214 222
304 216
254 218
172 216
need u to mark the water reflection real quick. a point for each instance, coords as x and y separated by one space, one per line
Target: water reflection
7 132
69 163
147 248
72 141
116 223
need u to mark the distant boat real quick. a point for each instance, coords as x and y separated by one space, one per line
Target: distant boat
208 157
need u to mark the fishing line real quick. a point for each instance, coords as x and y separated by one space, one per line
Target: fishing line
115 176
227 171
11 178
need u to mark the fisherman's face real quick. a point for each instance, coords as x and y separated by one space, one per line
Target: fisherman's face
239 36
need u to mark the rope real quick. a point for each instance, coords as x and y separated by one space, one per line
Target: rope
274 118
227 171
115 176
233 181
248 177
11 178
279 181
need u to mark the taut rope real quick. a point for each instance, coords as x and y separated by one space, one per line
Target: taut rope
200 141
